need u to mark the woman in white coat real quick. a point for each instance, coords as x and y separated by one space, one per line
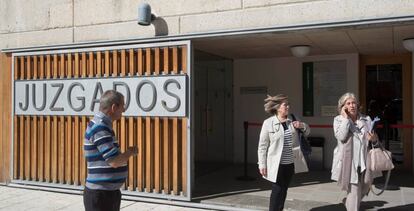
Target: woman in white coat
279 153
350 167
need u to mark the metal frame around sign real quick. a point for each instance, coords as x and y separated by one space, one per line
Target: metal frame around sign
189 109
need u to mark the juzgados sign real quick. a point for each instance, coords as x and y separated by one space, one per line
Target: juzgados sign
144 96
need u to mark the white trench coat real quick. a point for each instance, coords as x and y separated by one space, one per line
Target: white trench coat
271 145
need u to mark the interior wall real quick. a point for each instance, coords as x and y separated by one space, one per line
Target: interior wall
280 75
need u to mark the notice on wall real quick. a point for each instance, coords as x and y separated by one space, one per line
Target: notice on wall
329 83
323 83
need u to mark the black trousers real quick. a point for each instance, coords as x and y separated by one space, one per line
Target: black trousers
101 200
279 189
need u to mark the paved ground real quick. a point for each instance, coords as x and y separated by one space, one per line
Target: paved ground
16 199
220 190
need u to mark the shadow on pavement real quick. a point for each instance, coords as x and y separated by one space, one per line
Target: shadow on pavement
365 205
408 207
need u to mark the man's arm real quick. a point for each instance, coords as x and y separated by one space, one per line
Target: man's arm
122 158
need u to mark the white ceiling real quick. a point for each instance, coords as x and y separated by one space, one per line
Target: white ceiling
365 40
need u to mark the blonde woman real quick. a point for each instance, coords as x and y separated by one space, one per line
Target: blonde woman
279 153
350 166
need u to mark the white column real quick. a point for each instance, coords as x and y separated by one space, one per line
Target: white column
412 98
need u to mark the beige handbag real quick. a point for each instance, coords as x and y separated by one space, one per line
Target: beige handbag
380 159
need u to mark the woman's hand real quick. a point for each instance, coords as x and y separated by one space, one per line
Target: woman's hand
297 124
373 137
263 171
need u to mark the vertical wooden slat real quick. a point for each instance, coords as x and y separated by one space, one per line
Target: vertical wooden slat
82 157
48 67
34 149
16 67
166 60
22 146
157 61
140 62
16 148
69 153
70 65
27 147
149 155
115 63
175 156
122 134
148 68
41 149
77 67
91 72
184 59
123 63
35 67
175 60
61 146
48 149
184 155
157 156
131 62
98 64
141 155
21 71
76 153
28 67
131 165
62 72
16 145
34 141
42 67
42 138
55 66
83 65
166 157
157 138
107 63
175 131
54 142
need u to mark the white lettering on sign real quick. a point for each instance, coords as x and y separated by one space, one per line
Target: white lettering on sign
144 96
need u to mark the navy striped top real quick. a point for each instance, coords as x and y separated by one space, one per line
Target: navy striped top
99 146
287 152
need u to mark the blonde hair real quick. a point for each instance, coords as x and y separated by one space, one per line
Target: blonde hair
272 103
344 98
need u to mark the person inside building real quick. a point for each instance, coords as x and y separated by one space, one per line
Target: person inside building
349 166
107 165
279 154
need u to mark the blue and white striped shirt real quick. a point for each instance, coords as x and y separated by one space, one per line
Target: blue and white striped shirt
287 152
100 145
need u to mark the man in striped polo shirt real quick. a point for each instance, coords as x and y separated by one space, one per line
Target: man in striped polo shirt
107 165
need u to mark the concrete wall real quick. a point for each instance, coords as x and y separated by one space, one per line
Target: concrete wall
280 75
45 22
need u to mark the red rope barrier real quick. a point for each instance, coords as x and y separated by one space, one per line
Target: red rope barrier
330 126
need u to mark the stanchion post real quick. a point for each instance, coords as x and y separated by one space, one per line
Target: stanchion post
245 177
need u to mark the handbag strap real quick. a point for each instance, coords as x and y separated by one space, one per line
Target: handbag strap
385 184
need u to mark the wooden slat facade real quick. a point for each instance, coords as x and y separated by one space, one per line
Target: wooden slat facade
50 148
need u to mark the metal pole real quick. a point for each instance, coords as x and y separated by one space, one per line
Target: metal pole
245 177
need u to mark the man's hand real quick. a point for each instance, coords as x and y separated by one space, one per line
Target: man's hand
132 151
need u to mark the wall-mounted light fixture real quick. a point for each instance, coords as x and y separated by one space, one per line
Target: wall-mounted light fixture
409 44
145 17
300 50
